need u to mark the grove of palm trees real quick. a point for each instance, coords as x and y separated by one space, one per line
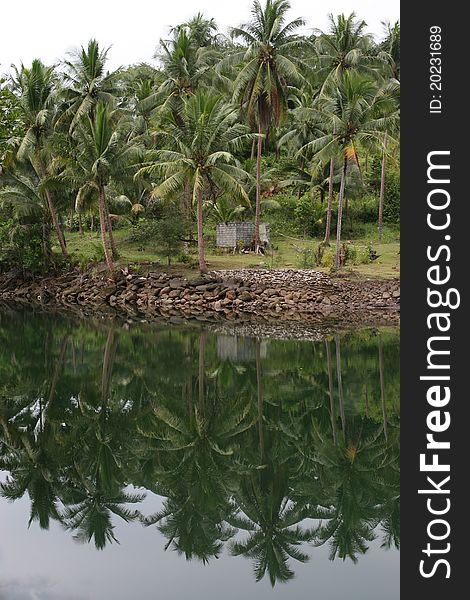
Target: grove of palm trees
262 123
199 308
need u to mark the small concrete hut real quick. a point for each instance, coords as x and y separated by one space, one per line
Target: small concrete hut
240 233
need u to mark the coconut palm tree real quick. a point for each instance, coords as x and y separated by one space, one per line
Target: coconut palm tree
353 114
389 105
200 156
86 82
202 30
103 151
185 64
270 64
20 193
345 47
35 86
391 47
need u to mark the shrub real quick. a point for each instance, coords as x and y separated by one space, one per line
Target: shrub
165 234
24 245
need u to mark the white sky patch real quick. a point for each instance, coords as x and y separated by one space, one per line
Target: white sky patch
51 28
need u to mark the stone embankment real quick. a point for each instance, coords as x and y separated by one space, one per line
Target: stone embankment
271 295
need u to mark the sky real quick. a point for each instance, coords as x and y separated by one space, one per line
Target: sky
48 29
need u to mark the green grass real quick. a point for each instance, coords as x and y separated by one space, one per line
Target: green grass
287 252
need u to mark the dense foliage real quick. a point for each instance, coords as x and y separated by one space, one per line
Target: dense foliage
217 130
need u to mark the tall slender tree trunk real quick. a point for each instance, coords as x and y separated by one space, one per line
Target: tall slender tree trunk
109 356
109 227
57 369
382 186
52 211
80 223
259 389
382 389
70 228
326 241
104 241
340 212
202 370
258 191
200 236
330 391
57 227
340 383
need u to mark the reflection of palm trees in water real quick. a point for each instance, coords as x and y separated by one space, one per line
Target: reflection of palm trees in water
257 446
262 506
30 454
98 492
199 440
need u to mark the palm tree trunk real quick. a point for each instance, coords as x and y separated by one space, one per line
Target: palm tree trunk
104 241
326 241
382 389
108 365
55 222
200 237
340 212
330 391
80 224
202 371
53 213
340 383
58 367
109 227
70 227
258 191
382 186
259 388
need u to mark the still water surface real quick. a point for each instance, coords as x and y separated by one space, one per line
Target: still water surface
174 462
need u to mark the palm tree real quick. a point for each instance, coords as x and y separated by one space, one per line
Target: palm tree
185 64
103 151
352 116
36 86
87 83
200 156
270 64
202 30
20 194
343 48
390 105
391 47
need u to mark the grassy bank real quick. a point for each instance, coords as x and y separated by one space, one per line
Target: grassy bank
286 252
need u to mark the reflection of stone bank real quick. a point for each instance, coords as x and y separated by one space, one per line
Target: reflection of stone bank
240 234
239 349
